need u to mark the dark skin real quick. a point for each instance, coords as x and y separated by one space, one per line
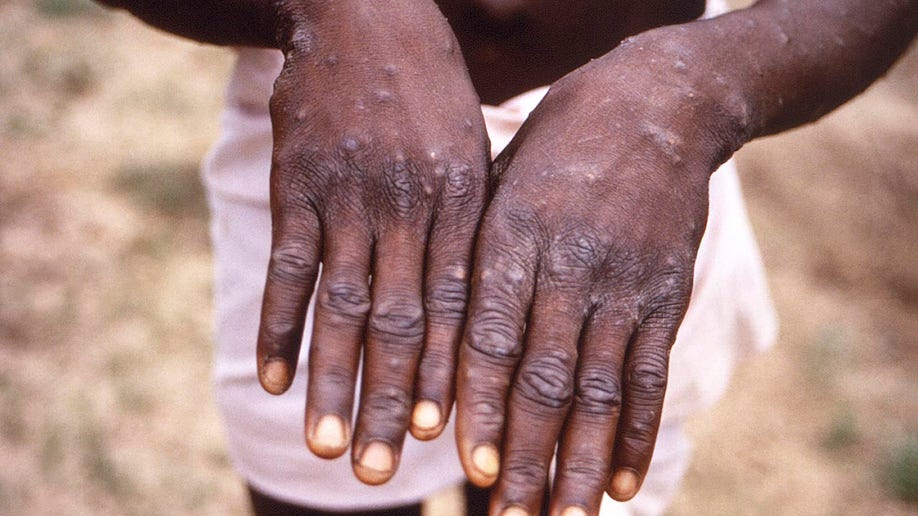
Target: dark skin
584 233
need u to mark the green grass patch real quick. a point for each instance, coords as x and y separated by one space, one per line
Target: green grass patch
52 452
825 355
12 419
66 8
902 470
170 189
842 431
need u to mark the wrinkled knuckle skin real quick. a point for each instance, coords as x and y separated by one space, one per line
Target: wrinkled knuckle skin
581 248
402 190
524 473
622 270
672 286
386 410
437 364
521 222
585 470
637 442
291 264
647 379
460 182
547 381
598 391
277 333
298 175
345 299
333 380
464 186
397 322
494 337
446 299
574 260
487 413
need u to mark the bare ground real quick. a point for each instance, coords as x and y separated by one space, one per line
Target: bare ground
105 401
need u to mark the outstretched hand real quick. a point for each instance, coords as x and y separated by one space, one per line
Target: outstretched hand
379 169
583 272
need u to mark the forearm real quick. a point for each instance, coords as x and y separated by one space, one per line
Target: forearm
275 23
796 61
221 22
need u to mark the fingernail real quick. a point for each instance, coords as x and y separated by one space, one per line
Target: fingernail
426 415
486 460
377 461
625 484
329 437
515 510
573 511
275 375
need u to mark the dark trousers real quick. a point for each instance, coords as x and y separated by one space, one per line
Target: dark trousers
476 503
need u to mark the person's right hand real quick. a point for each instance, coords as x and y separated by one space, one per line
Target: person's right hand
379 170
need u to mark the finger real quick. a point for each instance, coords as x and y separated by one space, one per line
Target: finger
446 294
540 399
395 333
644 385
585 452
490 351
342 305
292 271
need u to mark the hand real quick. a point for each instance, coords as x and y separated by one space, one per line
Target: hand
379 169
583 273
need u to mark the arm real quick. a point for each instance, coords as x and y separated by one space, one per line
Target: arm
231 22
781 64
379 166
584 259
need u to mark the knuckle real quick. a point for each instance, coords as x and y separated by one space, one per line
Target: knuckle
389 401
447 296
346 299
277 331
398 321
293 263
584 468
637 440
488 413
525 472
547 380
333 380
495 336
437 364
647 377
672 282
580 247
402 190
598 391
463 183
522 222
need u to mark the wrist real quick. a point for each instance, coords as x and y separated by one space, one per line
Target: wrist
696 68
356 23
293 20
667 85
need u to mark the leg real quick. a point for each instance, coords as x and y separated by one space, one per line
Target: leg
264 505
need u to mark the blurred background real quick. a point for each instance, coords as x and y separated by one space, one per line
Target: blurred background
105 290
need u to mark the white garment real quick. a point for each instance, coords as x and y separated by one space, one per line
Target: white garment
730 315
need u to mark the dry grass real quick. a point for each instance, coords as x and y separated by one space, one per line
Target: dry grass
105 402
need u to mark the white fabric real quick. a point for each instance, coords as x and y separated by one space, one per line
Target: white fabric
729 316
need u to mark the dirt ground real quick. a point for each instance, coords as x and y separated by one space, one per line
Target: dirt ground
105 400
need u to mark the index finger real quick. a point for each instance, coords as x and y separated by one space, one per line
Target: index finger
502 291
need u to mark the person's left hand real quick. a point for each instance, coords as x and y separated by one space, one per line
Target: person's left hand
583 273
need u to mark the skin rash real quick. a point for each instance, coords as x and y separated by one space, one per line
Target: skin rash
583 231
